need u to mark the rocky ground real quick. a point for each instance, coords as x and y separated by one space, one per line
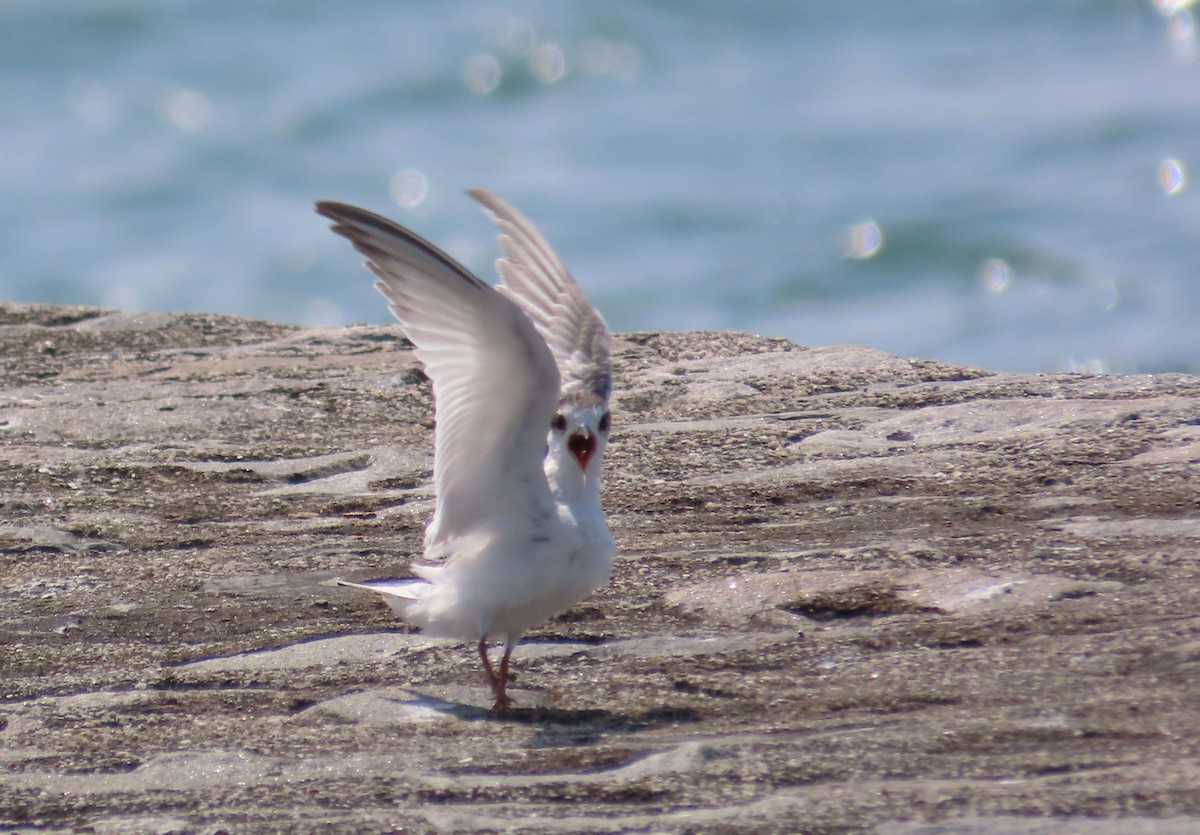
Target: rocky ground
855 593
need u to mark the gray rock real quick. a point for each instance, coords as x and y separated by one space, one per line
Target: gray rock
855 593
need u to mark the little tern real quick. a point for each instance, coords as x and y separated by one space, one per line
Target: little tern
521 380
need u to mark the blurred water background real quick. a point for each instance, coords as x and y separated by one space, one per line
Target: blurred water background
1003 184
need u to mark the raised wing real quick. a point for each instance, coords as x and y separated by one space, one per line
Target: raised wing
495 383
536 280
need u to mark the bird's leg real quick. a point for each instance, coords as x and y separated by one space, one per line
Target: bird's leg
496 682
487 663
503 702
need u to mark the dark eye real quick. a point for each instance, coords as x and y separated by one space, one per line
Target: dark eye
559 424
605 419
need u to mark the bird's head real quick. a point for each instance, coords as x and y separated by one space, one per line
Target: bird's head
578 435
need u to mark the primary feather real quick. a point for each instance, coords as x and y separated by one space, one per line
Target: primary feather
477 348
536 279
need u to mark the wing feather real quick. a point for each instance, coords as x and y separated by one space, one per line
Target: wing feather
495 382
533 276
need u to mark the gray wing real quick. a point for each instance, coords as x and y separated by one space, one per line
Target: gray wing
495 383
535 279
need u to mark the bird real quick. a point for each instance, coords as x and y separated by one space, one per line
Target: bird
521 377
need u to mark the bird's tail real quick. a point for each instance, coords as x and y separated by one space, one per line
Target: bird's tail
400 595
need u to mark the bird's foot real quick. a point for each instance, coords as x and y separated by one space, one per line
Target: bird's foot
502 703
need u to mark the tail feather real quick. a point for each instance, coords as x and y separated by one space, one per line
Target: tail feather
406 589
399 595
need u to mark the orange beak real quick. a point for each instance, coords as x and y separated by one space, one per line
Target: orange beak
583 446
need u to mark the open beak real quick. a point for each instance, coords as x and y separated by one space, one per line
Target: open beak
582 445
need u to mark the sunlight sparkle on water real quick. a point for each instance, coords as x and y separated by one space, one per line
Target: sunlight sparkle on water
1172 176
410 188
1109 295
995 275
548 64
482 73
93 103
1181 28
185 108
863 240
1170 7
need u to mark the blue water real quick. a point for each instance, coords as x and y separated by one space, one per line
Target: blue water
1004 184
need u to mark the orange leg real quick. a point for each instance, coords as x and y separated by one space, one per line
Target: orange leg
487 663
502 700
497 682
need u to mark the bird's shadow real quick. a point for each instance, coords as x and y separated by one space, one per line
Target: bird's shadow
556 726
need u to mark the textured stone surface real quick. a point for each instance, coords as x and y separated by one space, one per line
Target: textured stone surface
855 593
